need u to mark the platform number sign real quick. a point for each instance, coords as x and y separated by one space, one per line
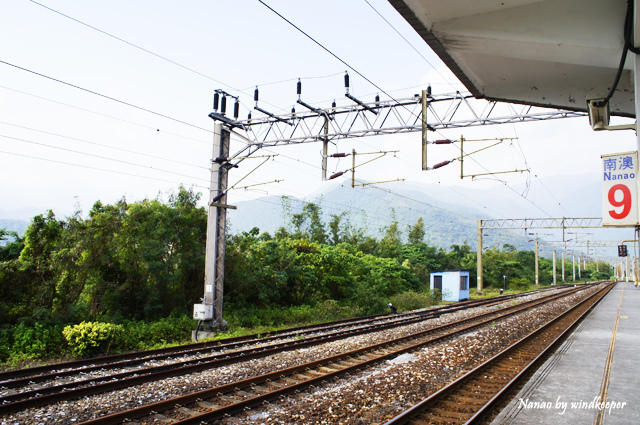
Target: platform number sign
620 189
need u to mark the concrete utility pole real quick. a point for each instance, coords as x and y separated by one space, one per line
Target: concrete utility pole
563 266
480 277
554 267
573 257
210 311
537 263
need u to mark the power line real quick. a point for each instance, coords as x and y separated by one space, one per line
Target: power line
96 168
133 45
156 129
105 146
99 156
410 44
106 97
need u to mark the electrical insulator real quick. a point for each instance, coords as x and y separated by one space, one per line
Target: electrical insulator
223 105
346 81
429 91
338 174
333 104
216 100
443 142
299 87
255 94
249 116
339 155
236 109
441 164
377 100
218 197
293 111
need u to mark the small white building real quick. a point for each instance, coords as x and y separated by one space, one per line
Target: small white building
453 284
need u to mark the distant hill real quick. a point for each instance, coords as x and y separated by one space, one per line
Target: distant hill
450 213
18 226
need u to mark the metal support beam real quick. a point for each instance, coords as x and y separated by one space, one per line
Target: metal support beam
325 147
425 108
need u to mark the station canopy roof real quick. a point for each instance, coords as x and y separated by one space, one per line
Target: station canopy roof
552 53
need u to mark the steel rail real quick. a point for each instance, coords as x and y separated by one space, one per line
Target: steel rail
42 396
435 407
329 368
55 372
9 379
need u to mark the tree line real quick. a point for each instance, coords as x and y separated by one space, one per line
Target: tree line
145 261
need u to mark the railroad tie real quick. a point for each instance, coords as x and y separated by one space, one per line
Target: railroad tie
163 419
208 405
189 412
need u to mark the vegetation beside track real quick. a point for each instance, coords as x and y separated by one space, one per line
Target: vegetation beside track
140 266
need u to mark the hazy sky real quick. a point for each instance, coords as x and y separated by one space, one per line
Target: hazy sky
61 146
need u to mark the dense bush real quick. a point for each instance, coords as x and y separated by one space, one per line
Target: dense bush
91 338
411 300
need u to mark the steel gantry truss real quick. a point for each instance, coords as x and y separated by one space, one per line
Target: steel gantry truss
538 223
421 113
381 117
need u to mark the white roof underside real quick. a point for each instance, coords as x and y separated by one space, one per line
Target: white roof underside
554 53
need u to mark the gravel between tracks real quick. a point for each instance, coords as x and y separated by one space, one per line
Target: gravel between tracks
371 396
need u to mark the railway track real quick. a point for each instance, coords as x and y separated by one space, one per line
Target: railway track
474 396
131 370
236 397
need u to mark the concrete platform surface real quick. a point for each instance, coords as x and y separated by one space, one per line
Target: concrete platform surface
567 388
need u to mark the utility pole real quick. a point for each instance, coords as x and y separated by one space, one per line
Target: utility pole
563 252
210 311
573 257
425 108
479 265
537 264
554 267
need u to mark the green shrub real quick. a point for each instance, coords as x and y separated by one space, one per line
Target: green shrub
36 341
410 300
519 284
91 338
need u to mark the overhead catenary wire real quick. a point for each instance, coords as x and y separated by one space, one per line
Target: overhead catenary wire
155 128
106 96
99 156
98 169
105 145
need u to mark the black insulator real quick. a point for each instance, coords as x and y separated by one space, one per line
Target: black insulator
443 142
441 164
428 90
216 101
339 155
293 111
338 174
333 105
346 80
249 117
377 98
255 94
223 105
236 109
218 197
220 159
299 87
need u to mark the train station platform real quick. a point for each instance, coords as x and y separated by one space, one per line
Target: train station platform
594 376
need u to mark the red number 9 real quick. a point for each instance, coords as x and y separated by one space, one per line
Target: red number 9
625 203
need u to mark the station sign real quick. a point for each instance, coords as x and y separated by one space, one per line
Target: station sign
620 189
